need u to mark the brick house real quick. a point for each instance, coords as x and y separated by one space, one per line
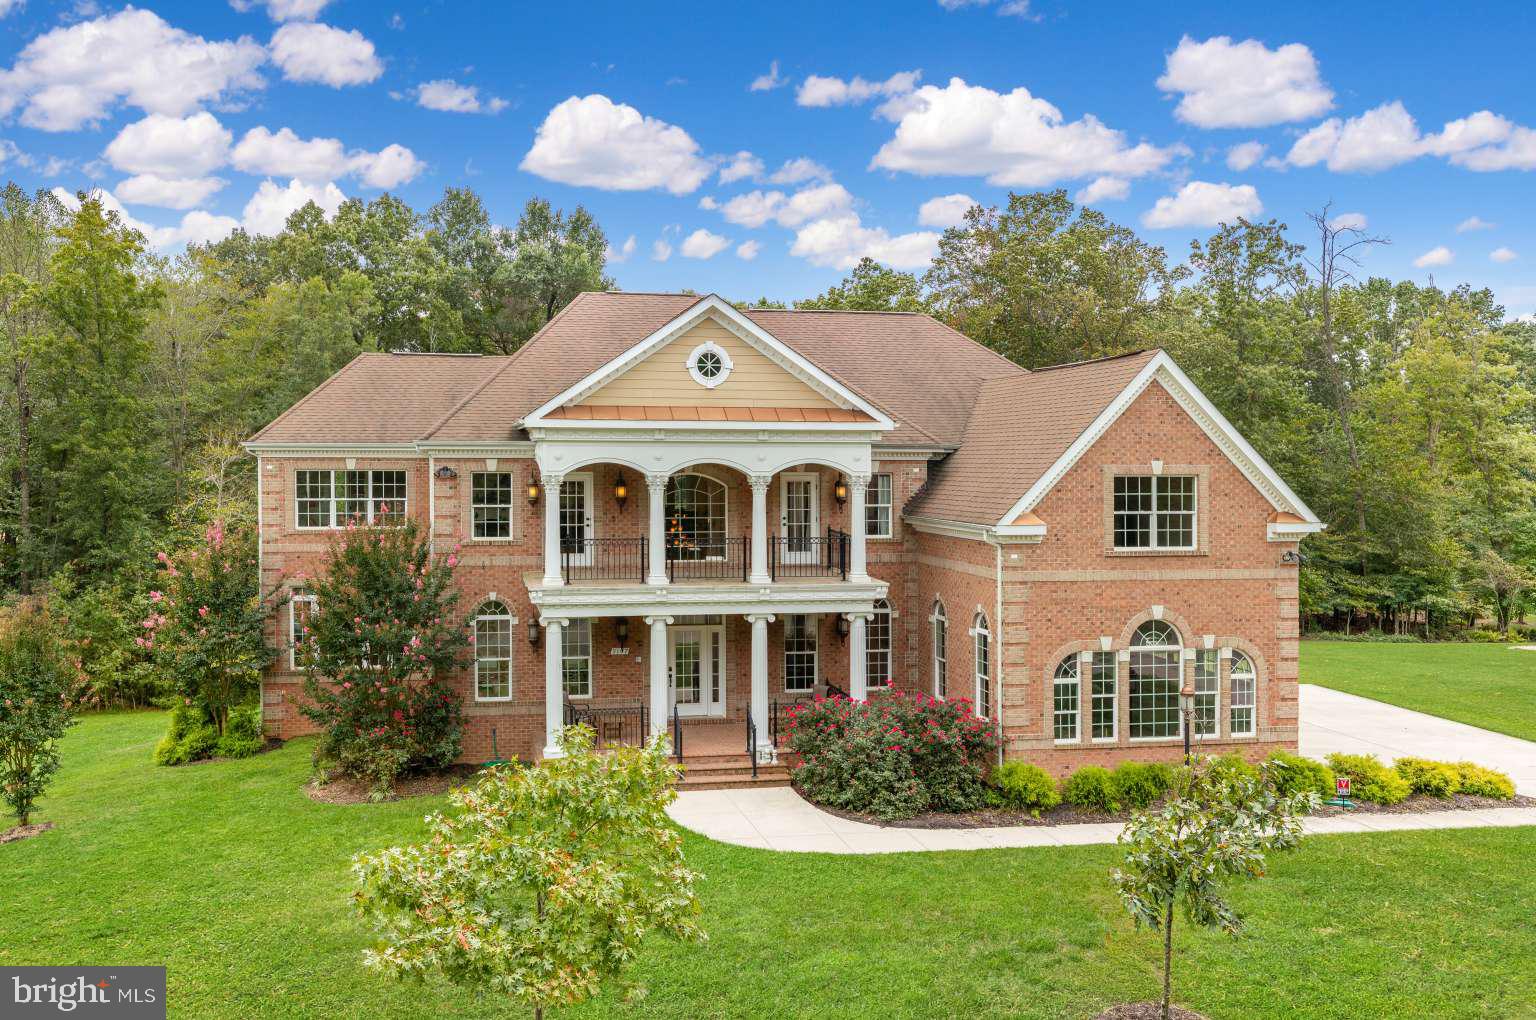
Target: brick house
670 511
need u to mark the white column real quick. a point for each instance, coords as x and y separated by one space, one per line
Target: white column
759 622
858 681
551 483
661 712
760 483
857 567
656 491
554 687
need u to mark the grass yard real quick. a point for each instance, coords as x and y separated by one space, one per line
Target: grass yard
229 875
1492 686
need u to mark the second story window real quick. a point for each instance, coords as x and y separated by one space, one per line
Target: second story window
695 518
490 504
329 499
1154 512
877 507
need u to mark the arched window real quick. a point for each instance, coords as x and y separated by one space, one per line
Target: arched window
493 652
695 510
1156 661
940 650
1244 682
982 661
1065 695
877 647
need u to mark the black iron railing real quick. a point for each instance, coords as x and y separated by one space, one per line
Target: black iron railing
752 742
613 724
834 691
604 559
711 559
677 734
809 555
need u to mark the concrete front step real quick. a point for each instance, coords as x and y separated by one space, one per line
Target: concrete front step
729 772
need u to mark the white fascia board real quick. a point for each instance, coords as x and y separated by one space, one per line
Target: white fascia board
1020 532
712 305
705 426
1162 370
332 449
1292 531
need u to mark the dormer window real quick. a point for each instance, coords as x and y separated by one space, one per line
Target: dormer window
709 364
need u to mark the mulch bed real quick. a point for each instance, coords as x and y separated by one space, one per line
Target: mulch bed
345 790
1148 1011
17 832
1067 814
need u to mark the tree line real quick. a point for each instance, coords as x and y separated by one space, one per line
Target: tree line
1402 413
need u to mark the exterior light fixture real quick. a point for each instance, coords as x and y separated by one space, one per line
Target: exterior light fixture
1187 710
533 632
621 631
445 472
840 491
533 491
620 491
842 627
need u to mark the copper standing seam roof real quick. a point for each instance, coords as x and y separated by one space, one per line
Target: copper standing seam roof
673 412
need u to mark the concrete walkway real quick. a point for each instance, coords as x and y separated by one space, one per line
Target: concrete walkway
1334 721
779 819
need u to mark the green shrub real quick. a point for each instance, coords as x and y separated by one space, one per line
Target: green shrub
1026 787
1369 779
192 737
1090 787
1302 775
1432 778
1138 784
1232 766
1477 781
242 734
1488 637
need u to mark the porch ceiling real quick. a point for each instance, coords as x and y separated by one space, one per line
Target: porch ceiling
693 598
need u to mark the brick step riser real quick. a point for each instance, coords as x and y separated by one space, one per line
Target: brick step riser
731 784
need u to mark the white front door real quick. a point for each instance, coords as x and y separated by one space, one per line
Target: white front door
800 515
698 681
576 519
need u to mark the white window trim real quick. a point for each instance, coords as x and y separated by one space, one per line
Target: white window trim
890 508
511 658
1178 653
726 531
1114 702
709 347
333 499
1154 546
1195 682
1252 675
940 652
565 635
293 647
890 647
813 628
511 508
981 680
1077 713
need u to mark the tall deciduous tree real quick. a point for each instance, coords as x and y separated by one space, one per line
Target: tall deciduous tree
871 287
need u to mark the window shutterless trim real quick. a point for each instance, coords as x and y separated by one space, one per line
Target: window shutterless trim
337 494
1153 514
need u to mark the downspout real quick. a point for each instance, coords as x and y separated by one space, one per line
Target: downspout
261 541
432 506
998 656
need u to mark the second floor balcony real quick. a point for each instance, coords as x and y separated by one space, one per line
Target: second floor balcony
705 557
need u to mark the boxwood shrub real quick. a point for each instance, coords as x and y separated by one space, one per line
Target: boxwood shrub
1477 781
1025 787
1090 787
1369 779
1302 775
1433 778
1137 784
893 757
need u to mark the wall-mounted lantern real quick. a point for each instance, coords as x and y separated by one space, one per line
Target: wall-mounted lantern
621 631
620 491
842 627
840 491
445 472
533 632
533 491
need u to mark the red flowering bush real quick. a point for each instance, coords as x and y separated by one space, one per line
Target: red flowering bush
380 641
893 757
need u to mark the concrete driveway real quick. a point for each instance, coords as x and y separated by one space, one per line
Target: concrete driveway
1334 721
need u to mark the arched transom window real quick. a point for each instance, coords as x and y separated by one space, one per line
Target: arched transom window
1156 661
1065 695
940 651
493 652
982 660
1244 683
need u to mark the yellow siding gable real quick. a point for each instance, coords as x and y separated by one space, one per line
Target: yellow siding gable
663 378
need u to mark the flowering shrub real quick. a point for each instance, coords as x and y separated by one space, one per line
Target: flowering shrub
39 678
893 757
207 631
378 645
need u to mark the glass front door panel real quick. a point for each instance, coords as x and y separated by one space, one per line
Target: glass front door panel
800 519
688 669
575 519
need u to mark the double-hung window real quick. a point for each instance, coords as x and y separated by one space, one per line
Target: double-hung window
1207 691
877 507
1243 684
940 651
1064 697
1104 704
576 658
877 647
493 652
490 504
1154 512
799 654
331 499
1156 662
300 605
981 660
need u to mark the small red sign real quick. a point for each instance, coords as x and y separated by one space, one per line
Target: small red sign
1341 786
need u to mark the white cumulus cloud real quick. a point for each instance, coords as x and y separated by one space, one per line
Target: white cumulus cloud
284 10
1437 256
451 97
839 242
1244 155
310 51
1204 204
1103 189
755 208
945 210
660 250
1014 139
168 193
1473 223
272 204
594 142
1503 255
798 171
623 252
72 76
1387 135
770 81
747 250
171 146
1226 84
741 165
316 160
819 90
701 244
1349 221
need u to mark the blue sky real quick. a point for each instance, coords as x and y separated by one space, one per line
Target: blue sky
198 116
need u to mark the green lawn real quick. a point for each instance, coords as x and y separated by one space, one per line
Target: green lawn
228 874
1492 686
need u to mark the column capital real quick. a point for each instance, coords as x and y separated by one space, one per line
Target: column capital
857 481
651 621
553 621
656 482
764 617
865 616
759 482
551 477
